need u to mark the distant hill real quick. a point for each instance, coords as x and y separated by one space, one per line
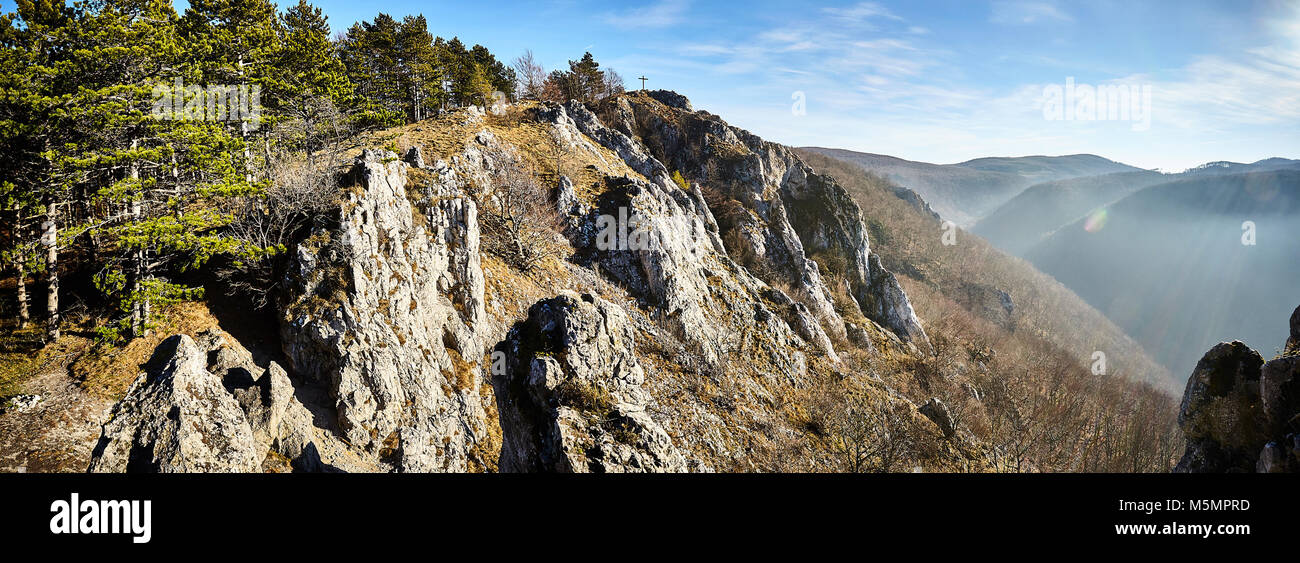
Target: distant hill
967 191
1041 209
1226 167
1168 265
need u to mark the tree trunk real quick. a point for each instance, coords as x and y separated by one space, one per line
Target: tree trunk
20 260
51 241
138 319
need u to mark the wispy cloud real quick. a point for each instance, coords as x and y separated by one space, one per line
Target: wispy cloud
653 15
1025 12
875 82
861 12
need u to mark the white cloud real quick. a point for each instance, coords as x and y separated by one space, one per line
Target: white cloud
862 12
1025 12
657 14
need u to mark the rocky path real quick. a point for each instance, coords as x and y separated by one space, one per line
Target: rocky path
58 432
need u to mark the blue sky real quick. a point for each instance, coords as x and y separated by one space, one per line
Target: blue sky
938 81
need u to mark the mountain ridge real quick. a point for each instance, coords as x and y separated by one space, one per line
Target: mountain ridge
964 192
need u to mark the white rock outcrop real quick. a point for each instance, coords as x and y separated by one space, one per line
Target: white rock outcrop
386 310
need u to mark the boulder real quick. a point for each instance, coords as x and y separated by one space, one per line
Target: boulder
1279 389
938 412
1221 413
414 157
177 418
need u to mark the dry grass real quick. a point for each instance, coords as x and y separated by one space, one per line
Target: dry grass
22 357
109 371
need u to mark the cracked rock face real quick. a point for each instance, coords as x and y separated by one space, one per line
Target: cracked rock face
386 310
684 270
177 418
571 399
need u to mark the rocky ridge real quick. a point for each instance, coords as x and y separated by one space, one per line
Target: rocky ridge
387 310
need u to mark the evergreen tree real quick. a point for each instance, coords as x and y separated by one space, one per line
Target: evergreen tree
234 43
584 81
500 77
308 78
37 83
394 68
156 186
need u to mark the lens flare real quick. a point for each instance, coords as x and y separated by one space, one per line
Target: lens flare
1096 221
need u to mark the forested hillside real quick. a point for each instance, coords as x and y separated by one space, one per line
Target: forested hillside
965 192
141 146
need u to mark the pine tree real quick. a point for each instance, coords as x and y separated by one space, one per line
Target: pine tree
370 53
584 81
308 79
234 43
155 184
500 77
122 50
37 83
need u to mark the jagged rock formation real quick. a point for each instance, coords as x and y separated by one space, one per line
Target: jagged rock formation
571 398
916 201
205 407
684 269
1240 413
385 309
279 421
790 213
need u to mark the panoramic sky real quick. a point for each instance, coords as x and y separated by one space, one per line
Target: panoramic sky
937 81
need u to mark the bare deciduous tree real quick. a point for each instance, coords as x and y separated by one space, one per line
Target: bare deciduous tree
519 219
871 436
300 193
530 75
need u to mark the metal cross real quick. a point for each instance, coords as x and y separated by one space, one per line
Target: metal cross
643 79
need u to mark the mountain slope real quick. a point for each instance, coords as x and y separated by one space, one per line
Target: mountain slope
1035 213
1169 265
1040 210
974 274
966 191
